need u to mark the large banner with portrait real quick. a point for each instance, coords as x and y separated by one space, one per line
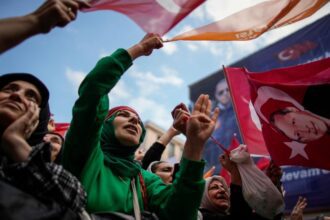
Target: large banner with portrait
308 44
294 117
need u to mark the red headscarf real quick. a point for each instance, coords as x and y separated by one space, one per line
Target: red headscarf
120 108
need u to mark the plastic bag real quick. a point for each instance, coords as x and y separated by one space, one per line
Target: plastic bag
258 190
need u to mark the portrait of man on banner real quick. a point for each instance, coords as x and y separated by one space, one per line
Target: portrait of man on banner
290 117
226 127
295 122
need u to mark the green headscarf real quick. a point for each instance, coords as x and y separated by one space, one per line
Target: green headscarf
118 157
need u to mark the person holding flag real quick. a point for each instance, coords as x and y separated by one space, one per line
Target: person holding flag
51 14
100 145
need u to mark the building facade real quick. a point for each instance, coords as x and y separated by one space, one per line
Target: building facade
173 150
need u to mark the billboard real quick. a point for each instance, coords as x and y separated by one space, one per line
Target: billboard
310 43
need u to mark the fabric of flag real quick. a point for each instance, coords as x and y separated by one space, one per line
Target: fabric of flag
251 22
292 105
248 121
153 16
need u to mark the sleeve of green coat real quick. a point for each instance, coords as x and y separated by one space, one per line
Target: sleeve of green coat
91 108
180 200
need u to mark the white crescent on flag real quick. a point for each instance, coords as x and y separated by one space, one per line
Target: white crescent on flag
169 5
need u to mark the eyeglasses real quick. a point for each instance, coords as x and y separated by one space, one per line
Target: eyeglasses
221 92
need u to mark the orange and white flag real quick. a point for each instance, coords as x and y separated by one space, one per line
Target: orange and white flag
251 22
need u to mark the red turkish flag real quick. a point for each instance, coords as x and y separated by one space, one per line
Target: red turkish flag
153 16
292 104
224 173
247 118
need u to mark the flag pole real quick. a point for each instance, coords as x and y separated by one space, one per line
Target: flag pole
234 104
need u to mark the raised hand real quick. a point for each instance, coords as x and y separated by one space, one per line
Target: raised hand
180 115
49 15
13 140
199 127
57 13
145 46
297 212
201 124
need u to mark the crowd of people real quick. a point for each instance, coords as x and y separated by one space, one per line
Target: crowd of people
91 173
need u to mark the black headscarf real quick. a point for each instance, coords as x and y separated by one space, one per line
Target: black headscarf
44 115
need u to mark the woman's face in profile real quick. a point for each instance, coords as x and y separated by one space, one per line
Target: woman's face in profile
300 125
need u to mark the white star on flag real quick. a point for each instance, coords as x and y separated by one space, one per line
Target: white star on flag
297 149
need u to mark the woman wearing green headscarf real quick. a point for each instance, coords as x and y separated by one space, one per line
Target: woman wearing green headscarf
100 145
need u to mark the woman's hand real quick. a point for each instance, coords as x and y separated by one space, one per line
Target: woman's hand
231 167
180 115
145 46
14 137
199 127
55 13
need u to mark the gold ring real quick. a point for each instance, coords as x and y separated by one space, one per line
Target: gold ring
68 9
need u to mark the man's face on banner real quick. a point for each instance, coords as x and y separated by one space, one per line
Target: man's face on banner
299 125
222 92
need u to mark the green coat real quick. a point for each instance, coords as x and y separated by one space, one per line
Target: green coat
83 155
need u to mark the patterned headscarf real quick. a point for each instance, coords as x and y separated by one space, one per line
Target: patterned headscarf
207 203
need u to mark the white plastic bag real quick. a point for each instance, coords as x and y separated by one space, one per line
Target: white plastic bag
258 190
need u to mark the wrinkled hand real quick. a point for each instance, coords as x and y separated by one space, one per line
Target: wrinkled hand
297 212
227 163
14 137
59 13
180 115
231 167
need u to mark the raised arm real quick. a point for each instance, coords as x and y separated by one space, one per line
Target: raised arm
155 152
183 197
298 210
199 128
92 105
53 13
